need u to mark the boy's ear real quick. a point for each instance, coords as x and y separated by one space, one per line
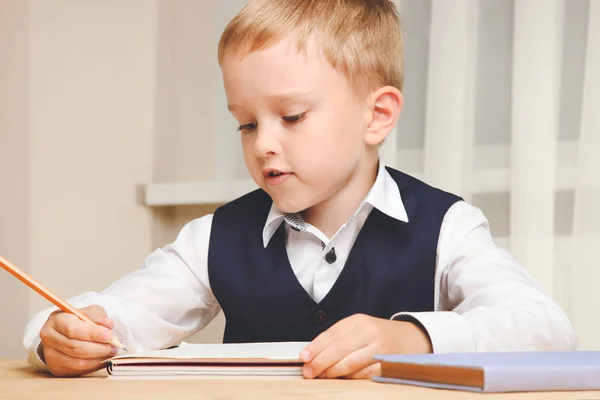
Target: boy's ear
386 106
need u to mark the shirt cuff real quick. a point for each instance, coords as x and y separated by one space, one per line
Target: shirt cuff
448 331
35 357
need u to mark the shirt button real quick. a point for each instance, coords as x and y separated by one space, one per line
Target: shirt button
331 257
320 317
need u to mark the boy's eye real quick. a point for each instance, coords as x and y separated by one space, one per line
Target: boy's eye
294 118
247 128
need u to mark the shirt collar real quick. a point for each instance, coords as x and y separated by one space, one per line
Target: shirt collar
384 196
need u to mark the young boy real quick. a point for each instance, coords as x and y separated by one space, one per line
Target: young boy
335 249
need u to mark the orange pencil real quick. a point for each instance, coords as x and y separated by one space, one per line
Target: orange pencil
54 299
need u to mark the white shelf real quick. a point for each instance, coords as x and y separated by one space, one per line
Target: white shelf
195 193
490 176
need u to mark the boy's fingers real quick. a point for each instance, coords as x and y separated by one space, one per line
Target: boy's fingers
98 315
74 328
350 364
367 372
318 344
334 353
325 339
95 313
79 348
61 364
106 322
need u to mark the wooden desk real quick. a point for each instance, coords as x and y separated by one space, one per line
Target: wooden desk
17 381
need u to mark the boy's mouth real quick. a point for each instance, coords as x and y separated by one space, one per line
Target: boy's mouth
275 177
273 173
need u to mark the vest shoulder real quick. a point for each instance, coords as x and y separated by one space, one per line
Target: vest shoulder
253 202
410 185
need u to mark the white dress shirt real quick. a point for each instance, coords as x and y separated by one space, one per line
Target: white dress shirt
484 301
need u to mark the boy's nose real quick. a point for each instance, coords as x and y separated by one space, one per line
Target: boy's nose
266 143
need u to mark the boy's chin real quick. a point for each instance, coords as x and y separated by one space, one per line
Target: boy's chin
288 206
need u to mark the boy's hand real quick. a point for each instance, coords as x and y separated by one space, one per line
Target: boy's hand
73 347
347 348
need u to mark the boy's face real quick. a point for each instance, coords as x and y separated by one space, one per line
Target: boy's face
302 126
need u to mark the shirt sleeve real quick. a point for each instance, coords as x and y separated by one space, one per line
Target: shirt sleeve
156 306
485 301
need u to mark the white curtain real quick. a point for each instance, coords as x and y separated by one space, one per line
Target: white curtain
503 107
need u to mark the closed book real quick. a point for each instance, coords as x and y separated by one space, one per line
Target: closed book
249 360
495 372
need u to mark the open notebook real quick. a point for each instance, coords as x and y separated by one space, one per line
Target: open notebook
271 360
495 372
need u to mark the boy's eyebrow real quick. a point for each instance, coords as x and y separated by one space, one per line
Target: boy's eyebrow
287 96
283 97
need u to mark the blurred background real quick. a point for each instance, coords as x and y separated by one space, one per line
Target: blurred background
114 132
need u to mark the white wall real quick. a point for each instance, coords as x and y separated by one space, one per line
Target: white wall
185 80
78 130
91 112
14 170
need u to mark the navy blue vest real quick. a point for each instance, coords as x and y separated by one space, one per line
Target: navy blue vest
390 268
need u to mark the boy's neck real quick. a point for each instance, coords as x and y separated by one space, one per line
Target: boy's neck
334 212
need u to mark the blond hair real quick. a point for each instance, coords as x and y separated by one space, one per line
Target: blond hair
360 38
